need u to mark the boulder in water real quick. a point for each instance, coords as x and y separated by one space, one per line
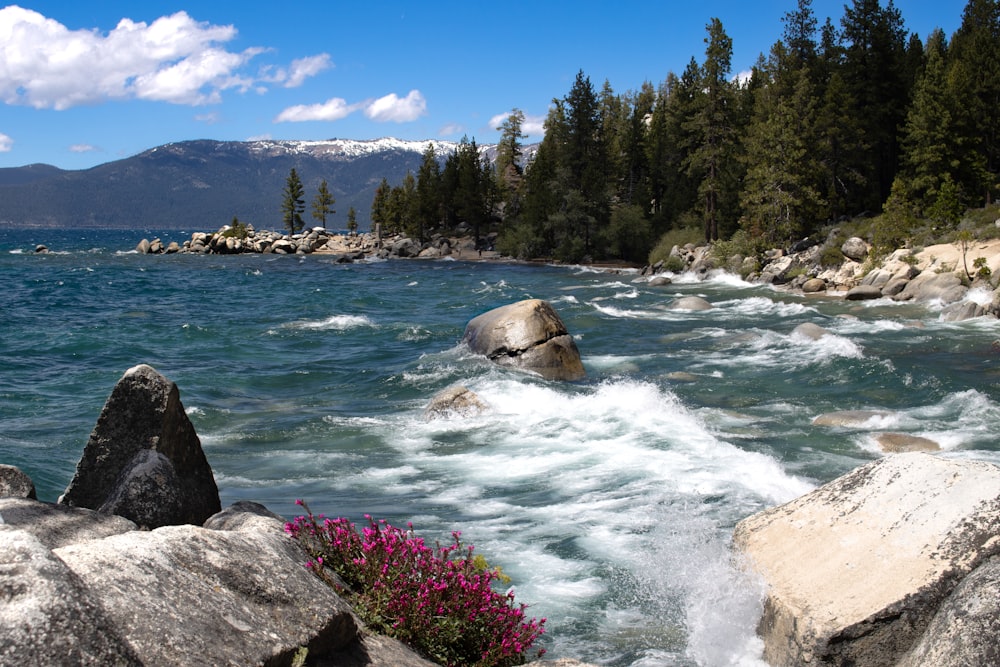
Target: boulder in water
850 418
897 443
810 330
528 335
458 401
689 303
863 293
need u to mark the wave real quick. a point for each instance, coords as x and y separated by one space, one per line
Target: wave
333 323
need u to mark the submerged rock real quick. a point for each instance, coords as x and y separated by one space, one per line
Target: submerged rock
810 330
857 569
850 418
528 335
689 303
144 460
459 401
897 443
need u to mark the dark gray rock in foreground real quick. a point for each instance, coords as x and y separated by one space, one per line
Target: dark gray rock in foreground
144 460
528 335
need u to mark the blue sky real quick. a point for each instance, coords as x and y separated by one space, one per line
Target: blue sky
84 82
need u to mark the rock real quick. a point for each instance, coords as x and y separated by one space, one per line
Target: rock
58 525
855 248
965 629
962 310
15 484
186 595
856 569
897 443
928 286
41 248
689 303
895 286
455 401
863 293
143 247
682 376
776 271
375 651
46 614
851 418
814 285
528 335
659 281
810 330
144 460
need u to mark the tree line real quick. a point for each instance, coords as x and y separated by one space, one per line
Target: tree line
293 205
836 120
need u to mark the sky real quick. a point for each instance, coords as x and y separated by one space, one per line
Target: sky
84 82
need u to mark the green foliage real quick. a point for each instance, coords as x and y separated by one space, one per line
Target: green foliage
629 233
237 230
982 268
352 220
831 256
894 227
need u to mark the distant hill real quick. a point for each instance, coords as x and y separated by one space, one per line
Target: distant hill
203 184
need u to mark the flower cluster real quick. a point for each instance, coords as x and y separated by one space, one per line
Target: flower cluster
440 601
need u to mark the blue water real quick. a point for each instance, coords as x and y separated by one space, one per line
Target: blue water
610 502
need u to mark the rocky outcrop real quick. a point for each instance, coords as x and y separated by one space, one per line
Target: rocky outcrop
857 569
144 460
528 335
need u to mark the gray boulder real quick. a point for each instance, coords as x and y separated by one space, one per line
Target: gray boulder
528 335
850 418
856 569
810 330
47 616
855 248
928 286
863 293
965 630
689 303
814 285
144 460
897 443
15 484
58 525
186 595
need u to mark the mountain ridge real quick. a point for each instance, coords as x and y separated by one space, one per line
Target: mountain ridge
204 183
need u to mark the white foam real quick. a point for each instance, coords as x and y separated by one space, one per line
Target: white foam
333 323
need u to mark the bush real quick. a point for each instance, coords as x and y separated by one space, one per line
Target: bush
675 237
439 601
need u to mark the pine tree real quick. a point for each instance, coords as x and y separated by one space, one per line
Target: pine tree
930 152
380 206
974 81
293 205
352 220
428 194
322 204
713 128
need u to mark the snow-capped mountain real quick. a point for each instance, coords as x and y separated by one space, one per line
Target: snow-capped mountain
203 184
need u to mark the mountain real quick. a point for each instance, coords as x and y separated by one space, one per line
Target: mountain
203 184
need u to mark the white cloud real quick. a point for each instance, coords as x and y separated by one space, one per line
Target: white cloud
451 130
392 108
6 143
333 109
82 148
174 59
303 68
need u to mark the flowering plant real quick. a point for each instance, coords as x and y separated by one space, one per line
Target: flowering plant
439 601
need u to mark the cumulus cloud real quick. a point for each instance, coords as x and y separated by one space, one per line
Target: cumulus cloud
303 68
6 143
174 59
392 108
333 109
82 148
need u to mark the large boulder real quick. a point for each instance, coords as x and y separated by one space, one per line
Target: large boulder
47 616
186 595
58 525
931 286
857 569
528 335
855 248
144 460
689 303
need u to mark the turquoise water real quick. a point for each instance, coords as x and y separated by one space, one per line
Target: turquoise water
610 502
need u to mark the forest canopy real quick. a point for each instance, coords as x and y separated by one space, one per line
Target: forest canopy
838 119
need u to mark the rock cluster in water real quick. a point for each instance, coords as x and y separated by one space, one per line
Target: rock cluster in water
346 247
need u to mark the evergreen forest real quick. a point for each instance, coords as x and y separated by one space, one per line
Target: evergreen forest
841 119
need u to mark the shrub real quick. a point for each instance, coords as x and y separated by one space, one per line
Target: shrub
237 230
439 601
675 237
831 256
